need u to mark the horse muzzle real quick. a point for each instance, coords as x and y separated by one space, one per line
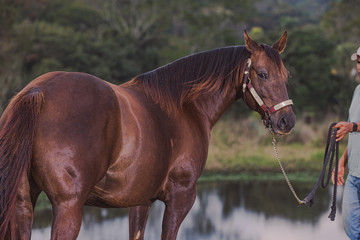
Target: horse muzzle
282 122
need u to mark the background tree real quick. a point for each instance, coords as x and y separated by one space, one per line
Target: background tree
118 39
314 86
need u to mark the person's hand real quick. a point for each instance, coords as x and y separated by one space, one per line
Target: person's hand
340 176
343 129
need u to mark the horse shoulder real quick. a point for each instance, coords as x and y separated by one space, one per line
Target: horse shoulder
189 153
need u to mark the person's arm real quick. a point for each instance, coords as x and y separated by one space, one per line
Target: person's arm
341 170
344 128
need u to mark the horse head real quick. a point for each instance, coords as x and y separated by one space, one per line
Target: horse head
264 85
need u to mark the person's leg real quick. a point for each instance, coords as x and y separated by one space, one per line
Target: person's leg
351 207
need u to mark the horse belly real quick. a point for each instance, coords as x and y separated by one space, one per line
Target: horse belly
129 186
138 173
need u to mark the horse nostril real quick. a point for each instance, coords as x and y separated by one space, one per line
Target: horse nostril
282 123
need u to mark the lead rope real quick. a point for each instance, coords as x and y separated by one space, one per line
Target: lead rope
301 202
331 150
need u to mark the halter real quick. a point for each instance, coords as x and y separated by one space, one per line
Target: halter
267 110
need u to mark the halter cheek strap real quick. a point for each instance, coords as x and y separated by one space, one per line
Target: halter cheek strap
247 85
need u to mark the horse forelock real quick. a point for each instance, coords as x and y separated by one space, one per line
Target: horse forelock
183 80
276 58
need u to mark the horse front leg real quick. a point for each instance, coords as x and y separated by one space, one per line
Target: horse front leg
176 210
137 221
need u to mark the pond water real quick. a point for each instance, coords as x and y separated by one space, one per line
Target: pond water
255 210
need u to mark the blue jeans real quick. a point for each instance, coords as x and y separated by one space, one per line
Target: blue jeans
351 207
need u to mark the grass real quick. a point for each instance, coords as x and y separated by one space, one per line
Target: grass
245 146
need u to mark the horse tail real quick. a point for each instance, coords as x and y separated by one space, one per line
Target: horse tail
17 127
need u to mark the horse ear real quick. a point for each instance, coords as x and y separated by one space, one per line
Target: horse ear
281 44
251 45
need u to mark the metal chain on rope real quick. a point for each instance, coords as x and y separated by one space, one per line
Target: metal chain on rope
301 202
331 150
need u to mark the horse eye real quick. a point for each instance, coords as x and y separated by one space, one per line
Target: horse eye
262 75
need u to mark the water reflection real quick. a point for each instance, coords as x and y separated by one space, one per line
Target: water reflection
226 210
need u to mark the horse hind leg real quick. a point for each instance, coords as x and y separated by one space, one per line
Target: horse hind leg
137 221
67 198
24 207
67 208
67 217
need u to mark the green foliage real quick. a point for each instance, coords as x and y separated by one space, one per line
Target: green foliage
72 14
118 39
310 58
342 21
245 146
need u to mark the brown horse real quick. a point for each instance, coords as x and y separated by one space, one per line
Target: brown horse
84 141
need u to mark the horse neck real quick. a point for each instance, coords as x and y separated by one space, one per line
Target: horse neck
213 106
